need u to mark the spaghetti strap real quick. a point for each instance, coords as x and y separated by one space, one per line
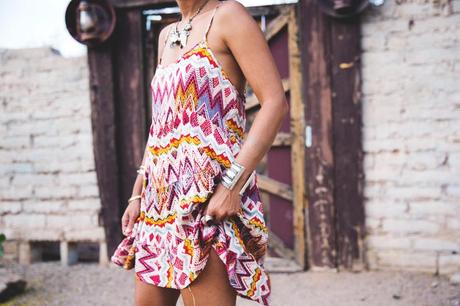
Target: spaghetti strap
210 22
166 39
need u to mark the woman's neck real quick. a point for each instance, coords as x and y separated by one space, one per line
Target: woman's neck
189 7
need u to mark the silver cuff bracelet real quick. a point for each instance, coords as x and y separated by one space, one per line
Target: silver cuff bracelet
232 174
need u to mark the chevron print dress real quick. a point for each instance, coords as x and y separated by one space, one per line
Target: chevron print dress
198 121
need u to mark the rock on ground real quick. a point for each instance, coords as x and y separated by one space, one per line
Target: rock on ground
49 283
11 284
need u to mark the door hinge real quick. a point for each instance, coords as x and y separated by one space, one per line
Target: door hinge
308 136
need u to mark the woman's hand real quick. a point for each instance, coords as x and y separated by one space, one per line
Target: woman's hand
223 203
130 215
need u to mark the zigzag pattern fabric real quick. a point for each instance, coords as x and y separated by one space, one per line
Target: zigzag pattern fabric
198 125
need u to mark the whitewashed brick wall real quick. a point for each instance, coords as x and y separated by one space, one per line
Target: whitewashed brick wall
48 186
411 116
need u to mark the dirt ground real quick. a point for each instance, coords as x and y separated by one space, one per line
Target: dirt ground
90 284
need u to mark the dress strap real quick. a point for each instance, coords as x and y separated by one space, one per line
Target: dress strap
210 22
164 44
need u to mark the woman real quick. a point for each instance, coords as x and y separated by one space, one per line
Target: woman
199 229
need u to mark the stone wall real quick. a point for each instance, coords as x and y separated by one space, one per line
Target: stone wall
411 117
48 186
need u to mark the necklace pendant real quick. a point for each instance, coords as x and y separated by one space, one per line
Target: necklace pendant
188 27
183 39
174 39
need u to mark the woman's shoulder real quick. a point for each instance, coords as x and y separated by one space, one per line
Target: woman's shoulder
231 7
231 13
165 29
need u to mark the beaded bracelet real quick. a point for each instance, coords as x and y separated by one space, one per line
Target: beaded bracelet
134 198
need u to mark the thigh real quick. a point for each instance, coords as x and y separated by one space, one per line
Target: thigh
151 295
211 287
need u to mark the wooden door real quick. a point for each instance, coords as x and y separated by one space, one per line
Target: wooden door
282 170
310 178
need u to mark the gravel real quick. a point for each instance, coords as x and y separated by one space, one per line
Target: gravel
49 283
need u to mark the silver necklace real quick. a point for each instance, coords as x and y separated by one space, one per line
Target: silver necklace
177 37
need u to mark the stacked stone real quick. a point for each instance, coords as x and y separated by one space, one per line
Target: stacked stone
411 115
48 185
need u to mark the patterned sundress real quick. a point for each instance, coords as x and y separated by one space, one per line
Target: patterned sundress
198 125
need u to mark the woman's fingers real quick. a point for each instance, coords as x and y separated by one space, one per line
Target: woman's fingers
222 212
130 226
218 215
124 222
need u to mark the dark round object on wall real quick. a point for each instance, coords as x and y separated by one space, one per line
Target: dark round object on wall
342 8
90 22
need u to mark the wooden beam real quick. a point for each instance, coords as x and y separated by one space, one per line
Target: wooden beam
277 24
346 98
103 125
253 10
277 244
286 84
275 187
297 111
139 3
270 10
320 158
251 102
129 98
282 139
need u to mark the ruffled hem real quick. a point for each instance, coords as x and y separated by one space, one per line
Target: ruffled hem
240 242
260 295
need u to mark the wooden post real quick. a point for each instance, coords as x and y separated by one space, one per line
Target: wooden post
105 152
129 98
331 67
297 114
348 174
320 157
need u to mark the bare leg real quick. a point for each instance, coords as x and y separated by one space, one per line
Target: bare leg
150 295
211 287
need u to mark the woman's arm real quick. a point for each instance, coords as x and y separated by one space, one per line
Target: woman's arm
133 209
137 188
249 47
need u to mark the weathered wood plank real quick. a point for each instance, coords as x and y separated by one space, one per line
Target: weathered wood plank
346 98
320 158
253 10
139 3
297 112
277 244
282 139
281 265
274 187
103 125
251 102
286 85
277 24
129 98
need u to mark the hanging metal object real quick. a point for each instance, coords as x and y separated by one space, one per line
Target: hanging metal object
90 22
346 8
377 2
